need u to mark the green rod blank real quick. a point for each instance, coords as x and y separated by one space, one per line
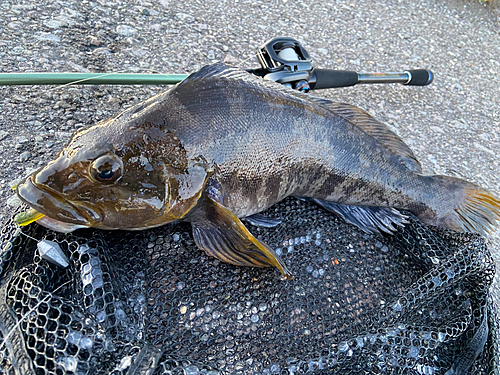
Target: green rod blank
9 79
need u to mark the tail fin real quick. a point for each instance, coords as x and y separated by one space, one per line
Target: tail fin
474 209
479 212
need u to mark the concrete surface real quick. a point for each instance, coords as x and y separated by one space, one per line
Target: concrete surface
453 125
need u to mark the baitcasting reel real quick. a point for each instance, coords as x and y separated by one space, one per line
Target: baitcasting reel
285 61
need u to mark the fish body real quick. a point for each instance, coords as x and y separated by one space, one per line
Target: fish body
224 145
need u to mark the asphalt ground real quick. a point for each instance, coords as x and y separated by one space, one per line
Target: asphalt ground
453 125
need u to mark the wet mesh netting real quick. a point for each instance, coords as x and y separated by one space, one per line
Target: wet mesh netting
150 302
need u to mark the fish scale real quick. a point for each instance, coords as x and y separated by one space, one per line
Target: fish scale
304 155
223 145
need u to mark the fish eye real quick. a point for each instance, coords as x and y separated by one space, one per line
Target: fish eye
106 175
106 169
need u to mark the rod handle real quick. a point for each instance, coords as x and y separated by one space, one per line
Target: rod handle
326 79
419 77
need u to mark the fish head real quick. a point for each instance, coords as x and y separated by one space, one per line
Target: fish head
133 180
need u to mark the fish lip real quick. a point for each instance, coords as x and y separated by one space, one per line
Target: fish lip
87 216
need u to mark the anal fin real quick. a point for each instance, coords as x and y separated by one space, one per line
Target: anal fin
369 219
219 233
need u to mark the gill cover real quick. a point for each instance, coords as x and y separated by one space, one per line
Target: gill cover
183 189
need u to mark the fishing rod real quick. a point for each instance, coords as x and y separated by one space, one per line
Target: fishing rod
10 79
282 60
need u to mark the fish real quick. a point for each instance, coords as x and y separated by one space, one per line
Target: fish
224 145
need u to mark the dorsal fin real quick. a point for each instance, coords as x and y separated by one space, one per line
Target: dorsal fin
375 129
221 71
218 70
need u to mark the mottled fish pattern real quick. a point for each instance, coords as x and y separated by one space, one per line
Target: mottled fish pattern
224 145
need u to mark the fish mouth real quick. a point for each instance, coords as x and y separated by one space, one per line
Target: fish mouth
60 214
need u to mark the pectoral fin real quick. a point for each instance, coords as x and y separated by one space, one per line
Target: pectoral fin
221 234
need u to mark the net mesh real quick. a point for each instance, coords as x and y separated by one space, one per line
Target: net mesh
150 302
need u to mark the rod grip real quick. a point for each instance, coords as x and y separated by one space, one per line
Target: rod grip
419 77
326 78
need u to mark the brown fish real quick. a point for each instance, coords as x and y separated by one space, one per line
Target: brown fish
224 145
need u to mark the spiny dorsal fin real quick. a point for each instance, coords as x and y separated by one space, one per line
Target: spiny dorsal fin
374 128
218 70
221 71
